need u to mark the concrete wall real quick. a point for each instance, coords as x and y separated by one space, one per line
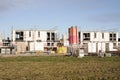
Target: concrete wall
98 43
21 47
34 35
96 47
1 40
91 47
36 46
99 36
35 42
13 35
110 46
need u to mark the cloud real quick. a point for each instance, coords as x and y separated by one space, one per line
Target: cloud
9 4
82 4
6 5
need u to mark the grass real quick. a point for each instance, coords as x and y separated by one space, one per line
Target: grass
59 68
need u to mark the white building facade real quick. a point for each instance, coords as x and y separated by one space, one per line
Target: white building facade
0 39
35 40
95 41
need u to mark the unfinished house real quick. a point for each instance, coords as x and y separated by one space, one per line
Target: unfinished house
118 44
34 40
51 40
95 41
0 39
6 46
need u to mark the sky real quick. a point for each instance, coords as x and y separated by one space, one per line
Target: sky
88 15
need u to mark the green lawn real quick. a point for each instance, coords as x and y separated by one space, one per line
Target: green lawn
59 68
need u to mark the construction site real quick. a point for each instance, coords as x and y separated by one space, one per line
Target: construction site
76 43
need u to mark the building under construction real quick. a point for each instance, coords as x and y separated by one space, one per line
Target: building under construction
34 40
98 41
92 41
6 47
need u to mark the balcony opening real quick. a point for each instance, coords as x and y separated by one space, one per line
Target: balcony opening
86 36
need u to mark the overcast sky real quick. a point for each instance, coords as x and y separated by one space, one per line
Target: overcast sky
59 14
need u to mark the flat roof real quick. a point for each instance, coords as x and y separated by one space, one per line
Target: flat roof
100 31
37 30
